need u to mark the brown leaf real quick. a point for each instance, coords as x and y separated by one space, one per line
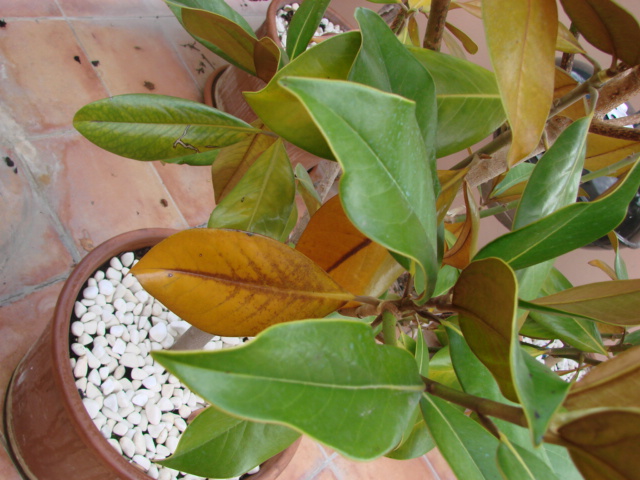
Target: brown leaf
465 247
563 84
359 265
450 182
233 283
266 57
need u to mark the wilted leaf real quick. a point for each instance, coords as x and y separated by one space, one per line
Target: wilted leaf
521 42
282 111
464 93
232 42
234 161
464 249
218 445
613 383
157 127
387 186
450 182
607 26
468 448
291 373
306 190
359 265
262 200
603 443
613 302
565 230
605 151
303 26
233 283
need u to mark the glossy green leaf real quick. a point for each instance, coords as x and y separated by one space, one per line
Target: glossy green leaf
231 41
447 278
233 283
218 445
385 188
383 62
282 111
515 176
467 447
522 41
364 392
607 26
565 230
614 302
485 295
422 355
441 369
517 462
219 7
416 442
306 189
464 92
619 264
303 26
262 201
157 127
561 462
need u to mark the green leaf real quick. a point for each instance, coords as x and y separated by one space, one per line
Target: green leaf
518 174
384 63
283 113
263 199
422 355
218 445
467 447
517 462
293 374
464 92
485 295
219 7
304 25
441 369
157 127
229 40
565 230
306 190
522 41
417 440
613 302
385 186
561 462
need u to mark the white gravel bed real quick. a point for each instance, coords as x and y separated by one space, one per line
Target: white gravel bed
139 408
283 17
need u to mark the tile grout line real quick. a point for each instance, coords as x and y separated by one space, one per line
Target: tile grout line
26 291
426 460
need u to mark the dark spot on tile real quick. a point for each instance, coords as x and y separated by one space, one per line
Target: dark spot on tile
15 170
164 203
77 59
3 24
137 47
9 162
149 85
95 63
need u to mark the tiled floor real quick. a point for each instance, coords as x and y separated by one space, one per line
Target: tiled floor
60 196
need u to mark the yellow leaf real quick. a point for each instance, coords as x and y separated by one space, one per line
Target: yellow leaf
604 151
604 267
564 83
566 42
359 265
233 283
614 383
521 40
473 7
420 4
465 247
468 44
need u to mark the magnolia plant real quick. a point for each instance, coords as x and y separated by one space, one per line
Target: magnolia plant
445 358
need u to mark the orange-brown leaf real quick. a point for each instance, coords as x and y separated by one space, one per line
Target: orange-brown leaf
450 182
233 283
465 247
360 266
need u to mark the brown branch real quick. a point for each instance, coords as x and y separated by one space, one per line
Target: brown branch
618 91
567 58
436 24
602 127
623 121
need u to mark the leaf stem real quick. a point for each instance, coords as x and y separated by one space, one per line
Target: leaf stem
482 406
610 169
389 328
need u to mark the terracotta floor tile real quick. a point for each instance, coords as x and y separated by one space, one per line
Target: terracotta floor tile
383 469
114 8
39 8
43 86
98 195
191 189
440 465
325 474
135 57
21 323
7 469
30 249
308 458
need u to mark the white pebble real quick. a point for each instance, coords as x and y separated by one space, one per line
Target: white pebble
91 406
81 384
144 462
106 288
119 372
80 370
79 309
171 443
128 280
155 430
114 274
93 392
77 328
109 385
140 400
154 413
91 326
119 347
127 259
94 377
90 292
120 428
129 360
150 382
138 440
134 418
128 447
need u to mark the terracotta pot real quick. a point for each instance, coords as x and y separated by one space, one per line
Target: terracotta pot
224 87
51 436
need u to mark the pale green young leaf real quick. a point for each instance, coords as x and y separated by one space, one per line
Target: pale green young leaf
158 127
386 188
218 445
262 200
365 392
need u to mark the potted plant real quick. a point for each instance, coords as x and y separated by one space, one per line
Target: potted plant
446 358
